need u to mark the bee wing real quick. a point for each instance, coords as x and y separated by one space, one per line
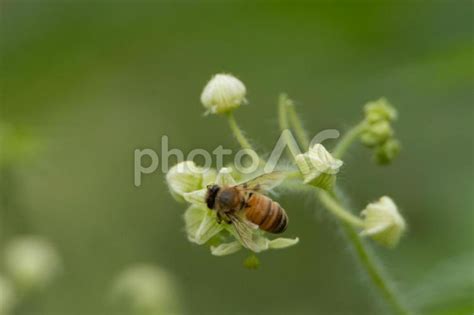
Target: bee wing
264 182
244 230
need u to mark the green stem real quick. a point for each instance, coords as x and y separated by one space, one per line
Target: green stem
238 134
295 121
368 261
240 137
348 138
283 104
333 205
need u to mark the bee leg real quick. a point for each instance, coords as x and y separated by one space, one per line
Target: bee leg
227 219
219 217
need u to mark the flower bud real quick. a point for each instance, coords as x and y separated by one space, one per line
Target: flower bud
252 262
383 222
387 152
380 110
31 262
376 133
223 93
7 296
318 167
146 289
184 177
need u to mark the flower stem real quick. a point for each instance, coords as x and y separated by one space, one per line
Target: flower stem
238 134
283 104
295 121
367 260
348 139
333 205
330 200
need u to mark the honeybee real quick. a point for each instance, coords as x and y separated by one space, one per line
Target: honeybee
246 207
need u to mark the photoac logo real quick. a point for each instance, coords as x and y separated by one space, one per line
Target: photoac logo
246 161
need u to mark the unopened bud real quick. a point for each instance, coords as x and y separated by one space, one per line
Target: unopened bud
223 93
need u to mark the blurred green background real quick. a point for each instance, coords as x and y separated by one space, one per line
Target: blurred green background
93 81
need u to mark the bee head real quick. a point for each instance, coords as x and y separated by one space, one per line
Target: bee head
211 194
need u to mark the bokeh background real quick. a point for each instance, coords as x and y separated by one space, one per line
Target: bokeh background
92 81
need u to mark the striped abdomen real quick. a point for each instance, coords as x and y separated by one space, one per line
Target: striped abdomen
266 213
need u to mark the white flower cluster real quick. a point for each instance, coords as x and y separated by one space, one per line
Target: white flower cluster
146 289
202 227
31 263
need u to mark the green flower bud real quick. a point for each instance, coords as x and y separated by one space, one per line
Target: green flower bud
318 167
383 222
146 289
252 262
376 133
387 152
379 110
7 296
223 93
31 262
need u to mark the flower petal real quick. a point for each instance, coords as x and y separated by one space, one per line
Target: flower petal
282 242
226 249
208 228
193 217
197 197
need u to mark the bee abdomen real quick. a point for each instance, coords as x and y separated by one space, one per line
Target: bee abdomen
274 218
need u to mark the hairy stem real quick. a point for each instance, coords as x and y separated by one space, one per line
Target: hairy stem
330 200
283 104
240 137
346 140
295 121
336 209
368 261
238 134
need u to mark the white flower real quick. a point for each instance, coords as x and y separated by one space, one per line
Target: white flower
318 166
7 296
202 227
31 261
146 289
383 222
186 177
201 224
223 93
